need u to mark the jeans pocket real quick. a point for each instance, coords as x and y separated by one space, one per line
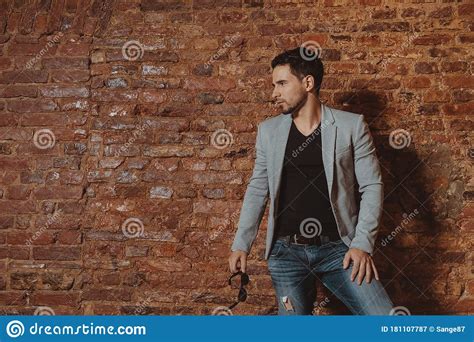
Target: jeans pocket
277 248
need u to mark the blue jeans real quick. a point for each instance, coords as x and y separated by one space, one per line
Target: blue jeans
294 270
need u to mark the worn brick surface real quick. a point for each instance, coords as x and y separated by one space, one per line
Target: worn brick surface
132 142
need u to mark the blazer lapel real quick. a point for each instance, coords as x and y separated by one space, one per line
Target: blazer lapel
328 142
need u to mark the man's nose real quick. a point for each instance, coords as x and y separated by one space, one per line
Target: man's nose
275 95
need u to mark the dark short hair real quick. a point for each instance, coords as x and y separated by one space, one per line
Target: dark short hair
301 67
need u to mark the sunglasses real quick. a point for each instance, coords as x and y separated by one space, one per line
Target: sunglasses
244 280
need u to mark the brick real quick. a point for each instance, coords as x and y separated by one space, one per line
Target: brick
454 66
29 106
20 91
101 294
24 76
426 68
18 192
466 9
14 163
58 192
64 91
168 5
65 63
161 192
17 253
401 26
56 253
154 96
55 298
136 251
70 76
74 49
220 83
432 39
460 81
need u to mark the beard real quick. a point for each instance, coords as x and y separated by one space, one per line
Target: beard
296 106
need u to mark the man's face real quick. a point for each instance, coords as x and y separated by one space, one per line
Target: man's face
288 92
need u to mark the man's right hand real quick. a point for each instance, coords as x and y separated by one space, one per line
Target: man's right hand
238 261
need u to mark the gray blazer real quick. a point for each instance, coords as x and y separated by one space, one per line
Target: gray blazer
348 155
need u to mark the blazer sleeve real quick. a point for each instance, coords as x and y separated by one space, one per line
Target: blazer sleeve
255 200
369 177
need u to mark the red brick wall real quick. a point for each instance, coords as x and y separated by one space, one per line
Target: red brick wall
98 146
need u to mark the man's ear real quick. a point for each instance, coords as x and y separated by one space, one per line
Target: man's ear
308 82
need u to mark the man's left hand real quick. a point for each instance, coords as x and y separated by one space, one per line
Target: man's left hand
363 265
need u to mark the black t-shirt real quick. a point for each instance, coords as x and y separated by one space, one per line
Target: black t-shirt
300 199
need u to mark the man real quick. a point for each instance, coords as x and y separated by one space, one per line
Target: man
308 160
